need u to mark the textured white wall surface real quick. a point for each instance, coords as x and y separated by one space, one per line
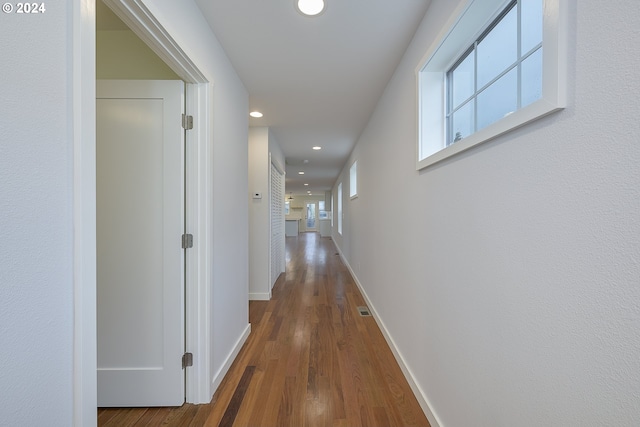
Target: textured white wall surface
122 55
509 276
261 144
36 207
259 169
277 156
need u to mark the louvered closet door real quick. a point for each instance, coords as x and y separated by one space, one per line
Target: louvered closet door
277 224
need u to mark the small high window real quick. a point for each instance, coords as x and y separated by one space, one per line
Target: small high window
353 180
497 68
340 208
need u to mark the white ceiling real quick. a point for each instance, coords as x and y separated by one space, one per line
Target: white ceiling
316 79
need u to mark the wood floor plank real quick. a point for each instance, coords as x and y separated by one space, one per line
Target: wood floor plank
259 406
123 417
104 415
313 360
201 416
182 417
153 417
250 399
234 405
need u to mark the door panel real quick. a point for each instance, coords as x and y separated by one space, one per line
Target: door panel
140 220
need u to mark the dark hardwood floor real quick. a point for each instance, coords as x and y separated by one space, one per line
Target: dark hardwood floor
311 359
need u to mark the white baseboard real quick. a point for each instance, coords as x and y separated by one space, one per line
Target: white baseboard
219 376
417 391
258 296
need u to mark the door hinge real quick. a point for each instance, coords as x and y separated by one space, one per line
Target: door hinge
187 360
187 122
187 241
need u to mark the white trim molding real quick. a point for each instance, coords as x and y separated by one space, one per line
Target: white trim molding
219 376
84 214
142 22
259 296
199 183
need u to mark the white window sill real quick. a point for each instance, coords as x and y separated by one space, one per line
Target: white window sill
525 115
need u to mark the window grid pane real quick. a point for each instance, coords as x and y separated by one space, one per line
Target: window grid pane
498 50
498 100
509 84
531 27
463 80
463 122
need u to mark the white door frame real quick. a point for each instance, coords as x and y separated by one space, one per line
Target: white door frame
198 181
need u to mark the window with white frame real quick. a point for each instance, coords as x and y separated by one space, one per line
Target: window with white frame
498 67
322 211
353 180
340 208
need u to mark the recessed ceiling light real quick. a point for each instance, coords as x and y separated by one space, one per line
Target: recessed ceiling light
306 185
256 114
310 7
317 147
300 173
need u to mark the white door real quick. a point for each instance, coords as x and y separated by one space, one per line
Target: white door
140 221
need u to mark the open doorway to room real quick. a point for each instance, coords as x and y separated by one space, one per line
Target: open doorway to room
140 206
132 46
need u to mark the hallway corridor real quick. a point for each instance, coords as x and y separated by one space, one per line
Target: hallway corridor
311 359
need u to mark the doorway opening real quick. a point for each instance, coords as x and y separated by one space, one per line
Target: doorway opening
197 184
311 215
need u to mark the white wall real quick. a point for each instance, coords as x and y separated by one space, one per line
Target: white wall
277 155
37 206
261 144
259 168
120 54
508 276
229 114
36 214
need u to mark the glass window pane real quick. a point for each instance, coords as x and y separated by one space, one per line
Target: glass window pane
353 179
462 81
339 208
462 123
531 26
498 100
499 49
532 78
